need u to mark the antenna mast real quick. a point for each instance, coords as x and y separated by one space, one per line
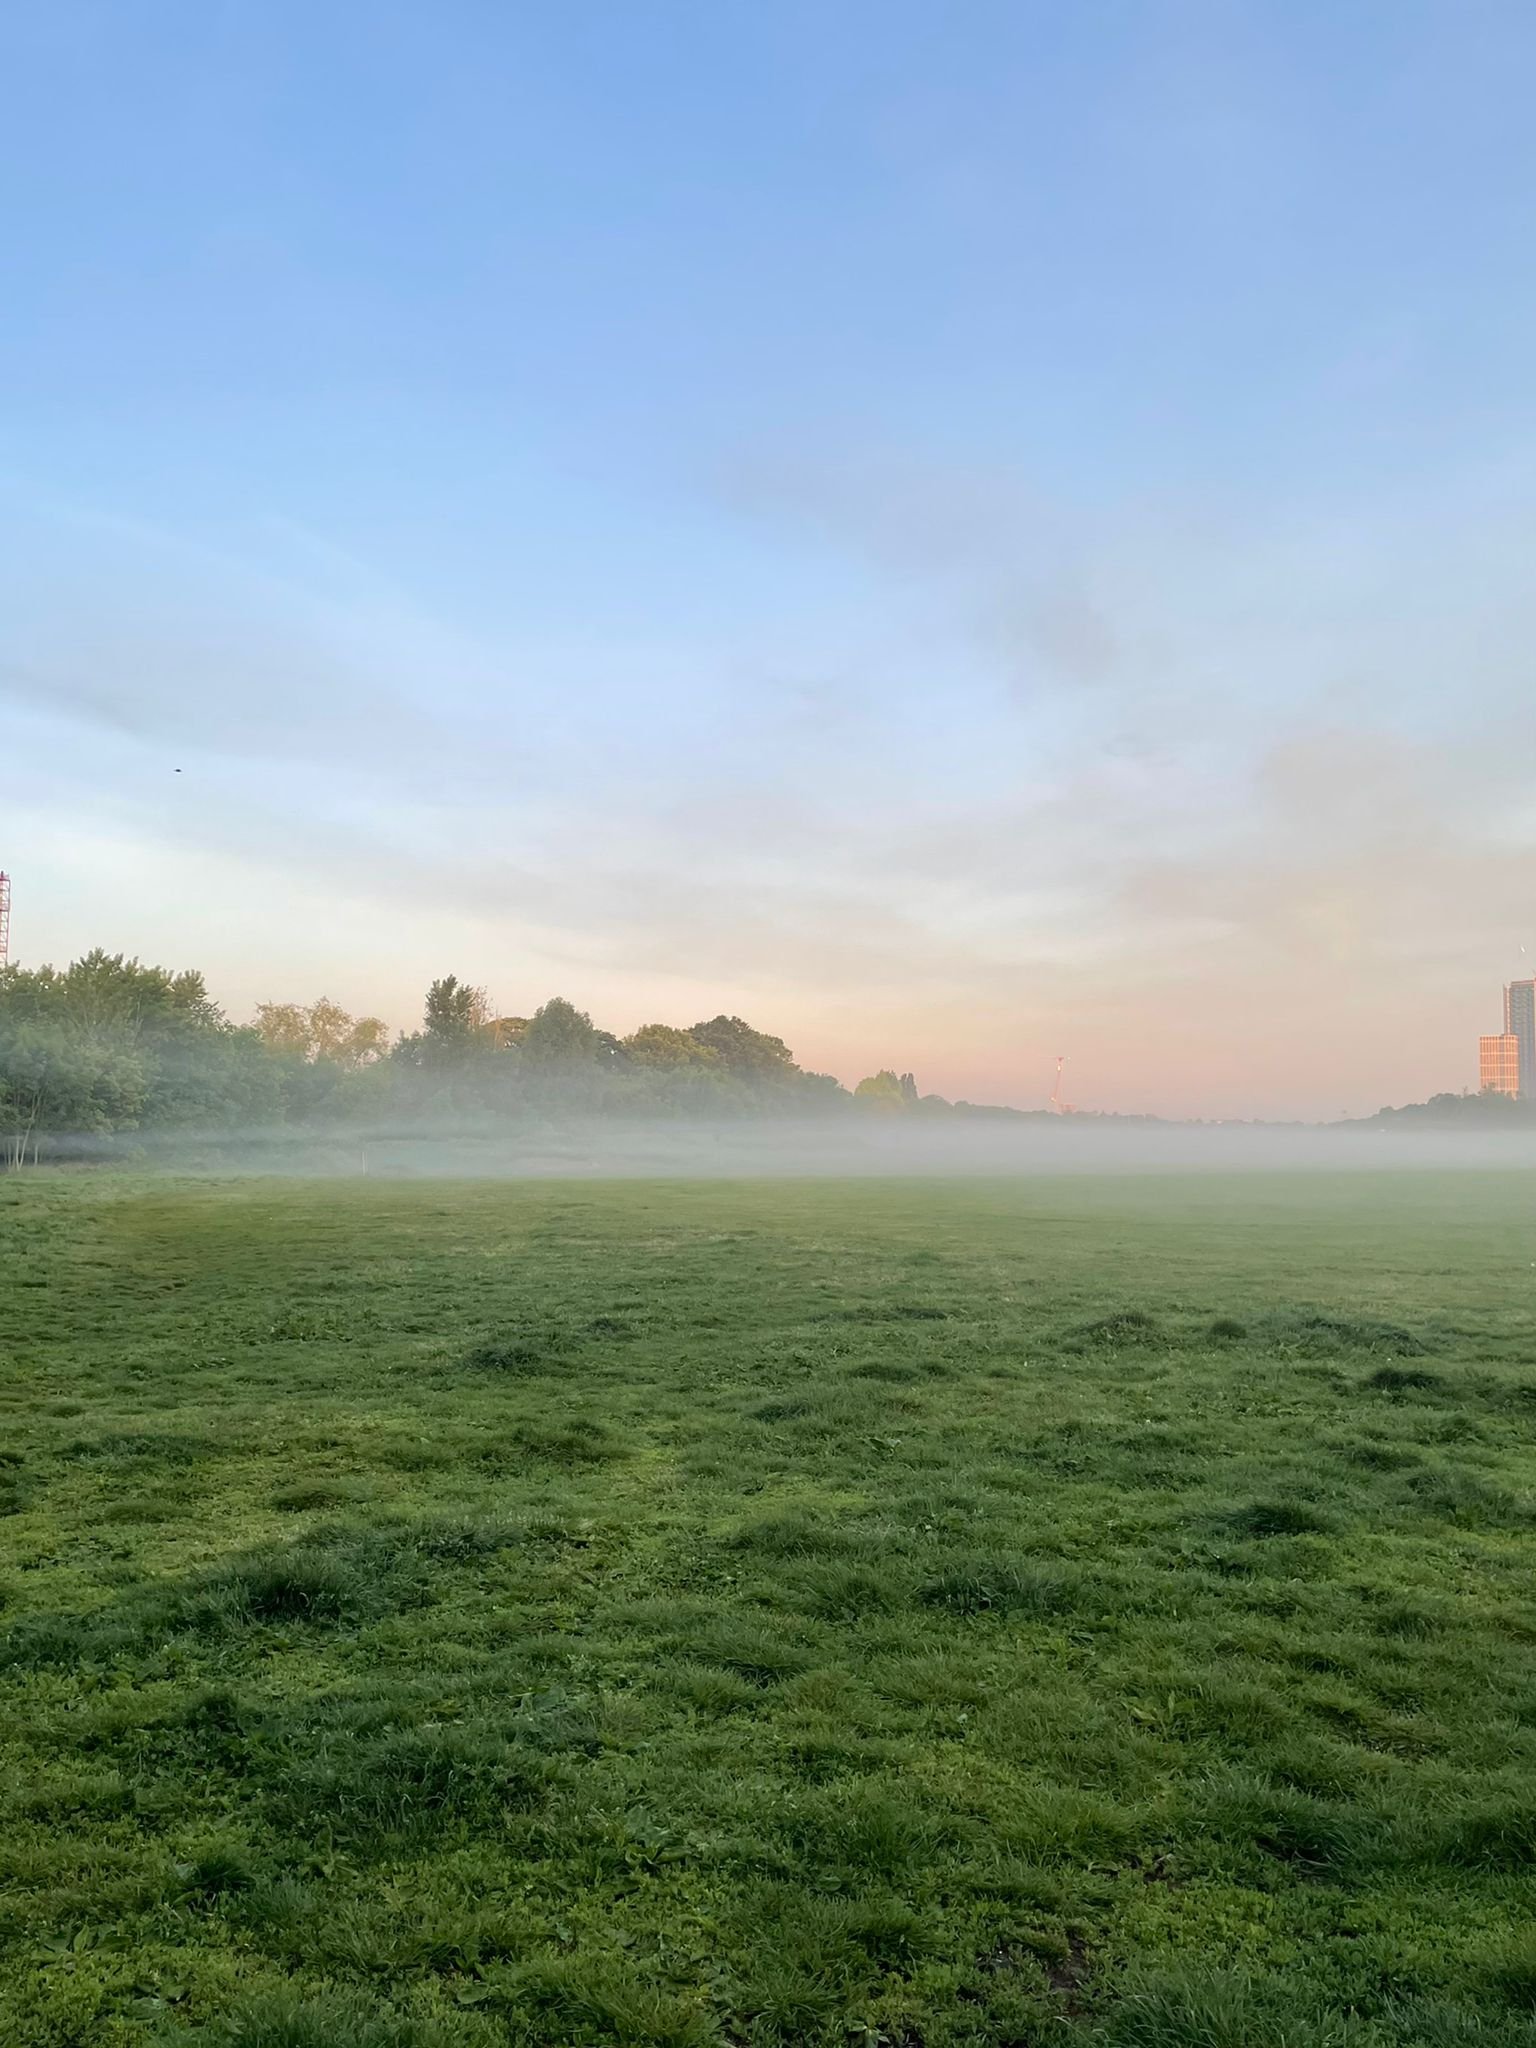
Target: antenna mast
5 919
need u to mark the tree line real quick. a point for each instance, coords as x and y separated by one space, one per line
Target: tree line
108 1045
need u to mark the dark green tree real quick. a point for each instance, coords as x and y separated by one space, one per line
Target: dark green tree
560 1036
746 1054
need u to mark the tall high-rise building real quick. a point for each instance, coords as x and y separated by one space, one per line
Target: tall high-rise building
1520 1022
1498 1064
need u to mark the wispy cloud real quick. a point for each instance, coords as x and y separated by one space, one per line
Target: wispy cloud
1239 757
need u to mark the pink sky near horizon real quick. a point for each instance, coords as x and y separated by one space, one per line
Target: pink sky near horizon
1177 1044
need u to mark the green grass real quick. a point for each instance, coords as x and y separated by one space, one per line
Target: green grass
864 1613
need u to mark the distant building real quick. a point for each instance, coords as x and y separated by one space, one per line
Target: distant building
1520 1024
1499 1061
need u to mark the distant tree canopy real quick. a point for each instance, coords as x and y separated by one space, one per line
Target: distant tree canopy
1489 1109
881 1091
322 1031
667 1048
747 1054
108 1045
559 1036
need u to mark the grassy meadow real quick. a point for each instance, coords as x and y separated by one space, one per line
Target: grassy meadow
885 1614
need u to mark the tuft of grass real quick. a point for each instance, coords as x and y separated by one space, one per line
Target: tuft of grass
845 1593
793 1533
525 1352
1122 1326
1498 1835
292 2020
1514 1976
1314 1834
1316 1333
1402 1379
218 1869
1001 1585
308 1495
1211 2007
571 2000
1279 1518
576 1441
309 1586
409 1782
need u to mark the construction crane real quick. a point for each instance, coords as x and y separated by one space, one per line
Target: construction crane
5 919
1058 1107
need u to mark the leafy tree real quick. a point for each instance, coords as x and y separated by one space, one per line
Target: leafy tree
666 1047
52 1081
323 1031
456 1014
822 1090
108 1044
882 1091
218 1080
104 992
744 1053
559 1035
455 1029
284 1027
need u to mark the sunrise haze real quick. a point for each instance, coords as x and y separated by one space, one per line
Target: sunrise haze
961 535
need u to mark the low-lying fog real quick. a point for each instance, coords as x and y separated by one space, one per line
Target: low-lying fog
864 1146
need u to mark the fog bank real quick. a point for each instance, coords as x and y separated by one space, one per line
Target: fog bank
834 1147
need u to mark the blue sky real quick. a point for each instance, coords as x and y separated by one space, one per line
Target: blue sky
960 532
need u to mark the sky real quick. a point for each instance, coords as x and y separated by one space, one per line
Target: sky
959 532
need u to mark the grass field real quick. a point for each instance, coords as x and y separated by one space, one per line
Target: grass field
880 1613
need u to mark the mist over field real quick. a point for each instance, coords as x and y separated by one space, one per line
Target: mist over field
577 1147
109 1060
